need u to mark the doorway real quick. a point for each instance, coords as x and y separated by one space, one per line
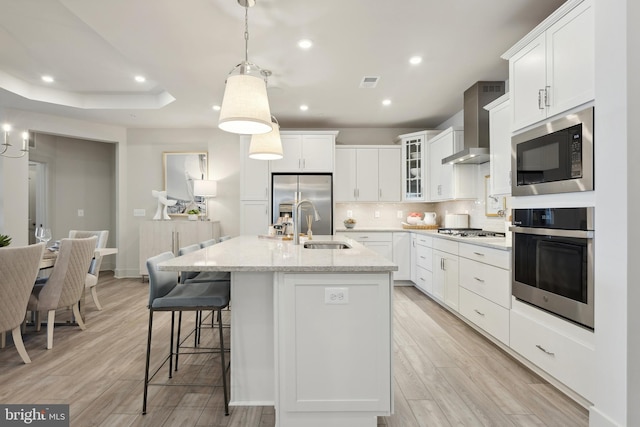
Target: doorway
37 197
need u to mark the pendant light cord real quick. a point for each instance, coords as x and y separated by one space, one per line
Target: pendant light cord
246 34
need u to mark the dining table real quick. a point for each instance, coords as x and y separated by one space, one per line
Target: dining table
49 257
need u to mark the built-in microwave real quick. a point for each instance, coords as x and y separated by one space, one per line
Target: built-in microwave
556 157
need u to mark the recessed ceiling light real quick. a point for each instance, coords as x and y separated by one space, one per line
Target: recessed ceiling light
386 102
415 60
47 79
304 107
140 79
305 44
216 107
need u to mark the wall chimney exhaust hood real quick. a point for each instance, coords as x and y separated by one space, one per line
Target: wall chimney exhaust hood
476 123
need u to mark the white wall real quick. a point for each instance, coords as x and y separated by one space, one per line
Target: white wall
617 184
144 153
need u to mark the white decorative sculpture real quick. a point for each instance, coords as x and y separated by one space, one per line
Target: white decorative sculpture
163 202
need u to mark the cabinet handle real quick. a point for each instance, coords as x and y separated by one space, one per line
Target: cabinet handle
354 193
266 192
304 163
423 257
541 348
380 192
540 105
442 264
547 102
364 237
422 278
479 312
479 279
479 253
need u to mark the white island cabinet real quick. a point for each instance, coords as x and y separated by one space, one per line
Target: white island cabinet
310 328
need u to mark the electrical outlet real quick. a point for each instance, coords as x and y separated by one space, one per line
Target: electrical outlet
349 213
80 212
336 295
376 214
400 215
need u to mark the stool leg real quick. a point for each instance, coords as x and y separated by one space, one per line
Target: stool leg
146 371
223 364
178 339
173 321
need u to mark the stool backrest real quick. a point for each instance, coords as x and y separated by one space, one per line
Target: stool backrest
160 282
184 275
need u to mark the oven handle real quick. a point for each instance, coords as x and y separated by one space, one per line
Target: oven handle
580 234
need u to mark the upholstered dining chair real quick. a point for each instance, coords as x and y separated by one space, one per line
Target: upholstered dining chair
65 286
166 293
19 268
94 269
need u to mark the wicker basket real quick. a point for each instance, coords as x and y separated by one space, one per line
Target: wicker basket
419 227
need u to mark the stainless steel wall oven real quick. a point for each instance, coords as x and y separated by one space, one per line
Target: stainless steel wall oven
553 253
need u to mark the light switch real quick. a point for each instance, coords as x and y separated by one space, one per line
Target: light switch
349 214
376 214
139 212
80 212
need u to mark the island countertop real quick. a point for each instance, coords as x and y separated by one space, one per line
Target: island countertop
252 253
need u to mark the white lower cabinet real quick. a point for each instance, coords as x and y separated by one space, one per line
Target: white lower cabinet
422 262
565 352
381 242
445 272
402 255
485 289
341 364
486 314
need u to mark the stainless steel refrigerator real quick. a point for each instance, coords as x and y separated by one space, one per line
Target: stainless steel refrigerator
316 187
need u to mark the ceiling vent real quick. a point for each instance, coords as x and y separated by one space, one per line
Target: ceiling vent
369 82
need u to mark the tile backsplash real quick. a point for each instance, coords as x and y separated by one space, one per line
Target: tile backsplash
371 215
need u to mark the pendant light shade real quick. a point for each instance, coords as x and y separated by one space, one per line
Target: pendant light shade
245 106
267 146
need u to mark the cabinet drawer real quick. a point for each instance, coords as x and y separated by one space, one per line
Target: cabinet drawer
487 315
491 256
445 245
371 237
569 361
424 257
424 280
490 282
424 240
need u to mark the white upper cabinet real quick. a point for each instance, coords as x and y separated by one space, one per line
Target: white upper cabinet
414 167
367 174
448 182
254 176
500 137
306 152
551 70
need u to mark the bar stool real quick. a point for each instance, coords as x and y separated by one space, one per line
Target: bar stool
167 294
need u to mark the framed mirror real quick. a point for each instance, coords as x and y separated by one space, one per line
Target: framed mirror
181 168
493 205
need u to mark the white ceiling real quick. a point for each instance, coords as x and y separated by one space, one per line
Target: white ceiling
94 48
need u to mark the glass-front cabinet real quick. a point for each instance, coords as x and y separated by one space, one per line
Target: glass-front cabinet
414 165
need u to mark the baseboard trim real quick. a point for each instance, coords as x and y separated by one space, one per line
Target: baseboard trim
599 419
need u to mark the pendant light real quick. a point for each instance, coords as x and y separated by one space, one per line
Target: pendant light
267 146
245 105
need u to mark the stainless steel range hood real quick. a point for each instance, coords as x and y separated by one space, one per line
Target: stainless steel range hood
476 123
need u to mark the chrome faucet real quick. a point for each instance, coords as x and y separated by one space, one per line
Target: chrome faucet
295 212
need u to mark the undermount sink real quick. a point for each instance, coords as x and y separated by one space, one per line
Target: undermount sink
326 245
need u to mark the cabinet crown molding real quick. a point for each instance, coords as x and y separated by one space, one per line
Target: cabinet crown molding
542 27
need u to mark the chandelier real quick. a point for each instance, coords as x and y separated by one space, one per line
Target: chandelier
6 145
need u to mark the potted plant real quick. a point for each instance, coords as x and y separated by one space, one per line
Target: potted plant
349 223
193 214
4 240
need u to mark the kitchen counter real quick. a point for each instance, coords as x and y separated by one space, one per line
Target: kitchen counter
252 253
490 242
310 328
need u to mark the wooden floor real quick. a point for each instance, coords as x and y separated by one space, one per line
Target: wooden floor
445 373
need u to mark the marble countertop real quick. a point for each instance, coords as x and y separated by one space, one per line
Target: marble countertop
251 253
491 242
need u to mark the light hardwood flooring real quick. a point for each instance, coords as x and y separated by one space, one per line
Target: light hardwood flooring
446 374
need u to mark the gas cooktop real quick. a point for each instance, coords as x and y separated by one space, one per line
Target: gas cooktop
469 232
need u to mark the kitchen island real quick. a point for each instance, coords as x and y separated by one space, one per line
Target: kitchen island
310 328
